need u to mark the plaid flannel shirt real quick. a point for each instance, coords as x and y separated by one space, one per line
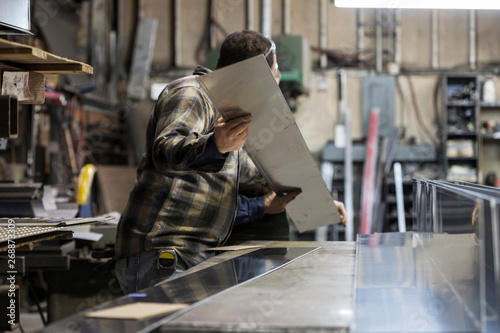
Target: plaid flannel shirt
173 205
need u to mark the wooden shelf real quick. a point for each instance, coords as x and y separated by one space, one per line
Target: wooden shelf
462 159
33 59
17 57
490 137
461 104
490 105
463 134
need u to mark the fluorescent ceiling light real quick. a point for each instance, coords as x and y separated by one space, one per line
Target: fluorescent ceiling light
421 4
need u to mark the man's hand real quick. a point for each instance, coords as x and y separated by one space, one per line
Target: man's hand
342 212
231 135
275 204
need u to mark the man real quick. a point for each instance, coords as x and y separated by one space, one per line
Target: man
185 197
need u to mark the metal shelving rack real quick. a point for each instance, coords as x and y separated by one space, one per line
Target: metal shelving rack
461 128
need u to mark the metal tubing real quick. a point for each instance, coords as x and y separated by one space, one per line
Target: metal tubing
368 186
266 18
378 41
213 27
120 40
398 182
360 33
435 38
323 41
348 179
327 171
398 41
178 33
390 34
251 14
472 39
287 27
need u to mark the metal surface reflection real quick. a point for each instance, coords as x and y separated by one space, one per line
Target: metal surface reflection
470 211
188 288
400 289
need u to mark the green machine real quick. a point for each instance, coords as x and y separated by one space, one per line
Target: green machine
294 61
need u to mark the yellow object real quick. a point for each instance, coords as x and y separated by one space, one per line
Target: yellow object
84 187
167 259
167 255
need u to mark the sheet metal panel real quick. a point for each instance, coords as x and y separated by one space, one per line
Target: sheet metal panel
275 143
15 17
400 288
142 58
192 287
472 212
312 294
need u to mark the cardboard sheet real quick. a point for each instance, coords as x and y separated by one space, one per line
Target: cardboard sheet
137 311
275 143
234 247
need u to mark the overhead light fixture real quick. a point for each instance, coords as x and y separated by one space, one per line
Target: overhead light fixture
421 4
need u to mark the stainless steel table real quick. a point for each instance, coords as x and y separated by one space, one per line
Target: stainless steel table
392 282
311 294
285 286
403 282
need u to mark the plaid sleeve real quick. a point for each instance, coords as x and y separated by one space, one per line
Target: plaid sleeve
184 122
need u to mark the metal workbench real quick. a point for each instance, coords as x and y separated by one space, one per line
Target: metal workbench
284 287
442 277
312 294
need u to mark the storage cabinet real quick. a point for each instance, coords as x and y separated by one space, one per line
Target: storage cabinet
489 143
460 128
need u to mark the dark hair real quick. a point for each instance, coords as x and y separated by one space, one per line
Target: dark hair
242 45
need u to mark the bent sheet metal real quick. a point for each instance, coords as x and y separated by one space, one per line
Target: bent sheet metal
274 143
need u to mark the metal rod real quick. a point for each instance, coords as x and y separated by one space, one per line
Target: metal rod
120 41
435 38
360 33
472 39
30 158
348 179
378 41
178 33
400 204
390 34
323 40
251 14
398 41
417 198
113 64
368 186
266 18
141 9
287 27
213 27
437 222
327 170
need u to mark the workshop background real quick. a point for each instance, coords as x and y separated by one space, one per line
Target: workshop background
433 75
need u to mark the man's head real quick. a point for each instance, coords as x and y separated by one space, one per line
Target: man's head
245 44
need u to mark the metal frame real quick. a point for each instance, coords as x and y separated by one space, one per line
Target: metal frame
486 201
